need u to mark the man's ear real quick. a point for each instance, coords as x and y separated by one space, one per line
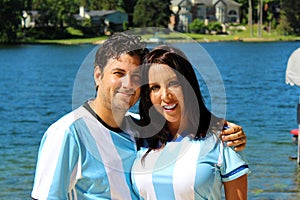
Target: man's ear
97 73
97 76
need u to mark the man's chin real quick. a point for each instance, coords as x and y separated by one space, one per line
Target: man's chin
122 107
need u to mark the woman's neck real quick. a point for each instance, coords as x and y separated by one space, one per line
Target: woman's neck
176 128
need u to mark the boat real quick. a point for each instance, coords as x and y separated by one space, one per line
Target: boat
156 40
294 132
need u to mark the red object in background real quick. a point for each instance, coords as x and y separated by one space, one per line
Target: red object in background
294 131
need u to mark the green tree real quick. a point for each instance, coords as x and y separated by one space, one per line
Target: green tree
271 13
244 10
152 13
128 7
284 27
103 5
10 15
197 26
56 13
291 12
215 26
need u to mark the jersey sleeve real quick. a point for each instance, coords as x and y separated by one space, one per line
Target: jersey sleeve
234 164
57 158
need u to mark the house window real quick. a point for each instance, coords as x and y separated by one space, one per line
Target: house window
232 19
232 16
232 12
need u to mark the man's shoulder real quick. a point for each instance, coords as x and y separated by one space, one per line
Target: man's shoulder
70 118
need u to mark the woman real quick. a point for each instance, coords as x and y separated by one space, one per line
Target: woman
185 159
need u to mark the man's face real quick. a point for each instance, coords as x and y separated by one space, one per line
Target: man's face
119 83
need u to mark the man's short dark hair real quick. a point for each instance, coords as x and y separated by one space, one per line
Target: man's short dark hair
118 44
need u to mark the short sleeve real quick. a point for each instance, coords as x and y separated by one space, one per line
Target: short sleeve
57 157
234 164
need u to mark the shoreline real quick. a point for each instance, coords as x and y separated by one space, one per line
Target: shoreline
97 41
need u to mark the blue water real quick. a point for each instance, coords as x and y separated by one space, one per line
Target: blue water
37 84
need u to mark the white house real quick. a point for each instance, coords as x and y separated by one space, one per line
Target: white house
108 19
29 18
223 11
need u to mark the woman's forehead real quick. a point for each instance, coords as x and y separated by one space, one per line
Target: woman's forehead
159 72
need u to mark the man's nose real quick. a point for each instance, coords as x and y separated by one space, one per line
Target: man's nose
127 82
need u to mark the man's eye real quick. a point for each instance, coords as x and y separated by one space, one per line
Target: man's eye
120 74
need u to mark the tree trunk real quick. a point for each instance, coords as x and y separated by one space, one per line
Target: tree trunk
250 24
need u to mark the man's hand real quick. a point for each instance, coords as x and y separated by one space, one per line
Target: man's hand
234 136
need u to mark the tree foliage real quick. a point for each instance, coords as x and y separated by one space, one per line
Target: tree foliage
152 13
56 13
197 26
128 7
10 15
269 9
103 4
291 13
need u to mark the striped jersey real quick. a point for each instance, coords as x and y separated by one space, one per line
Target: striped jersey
187 169
82 158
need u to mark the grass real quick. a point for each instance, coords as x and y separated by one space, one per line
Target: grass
235 35
246 36
94 40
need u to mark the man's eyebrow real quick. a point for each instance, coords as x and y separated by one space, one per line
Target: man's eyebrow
118 69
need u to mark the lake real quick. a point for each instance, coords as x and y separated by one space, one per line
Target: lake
37 83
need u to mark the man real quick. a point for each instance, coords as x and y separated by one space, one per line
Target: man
88 153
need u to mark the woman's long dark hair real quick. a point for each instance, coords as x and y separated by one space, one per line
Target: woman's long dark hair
199 117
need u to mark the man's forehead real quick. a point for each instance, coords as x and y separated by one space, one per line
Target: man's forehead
125 63
125 57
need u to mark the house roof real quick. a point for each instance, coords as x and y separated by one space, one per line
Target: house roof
205 2
100 12
213 2
232 3
184 3
184 12
227 2
33 12
97 13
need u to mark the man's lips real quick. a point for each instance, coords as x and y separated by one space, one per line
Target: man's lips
128 94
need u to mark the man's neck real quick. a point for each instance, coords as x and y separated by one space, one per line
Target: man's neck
112 118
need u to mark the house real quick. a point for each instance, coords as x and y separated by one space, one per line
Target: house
223 11
30 19
183 15
105 19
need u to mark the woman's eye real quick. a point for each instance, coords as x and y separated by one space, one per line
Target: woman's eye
174 83
154 88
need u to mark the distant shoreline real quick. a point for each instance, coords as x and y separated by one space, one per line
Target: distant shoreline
194 37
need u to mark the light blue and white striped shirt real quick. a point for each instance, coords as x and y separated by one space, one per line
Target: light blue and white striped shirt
81 158
187 169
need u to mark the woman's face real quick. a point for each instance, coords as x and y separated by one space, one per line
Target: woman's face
166 92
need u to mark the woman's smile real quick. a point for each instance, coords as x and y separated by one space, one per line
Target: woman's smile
170 107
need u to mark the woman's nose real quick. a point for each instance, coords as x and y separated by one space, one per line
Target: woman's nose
166 94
